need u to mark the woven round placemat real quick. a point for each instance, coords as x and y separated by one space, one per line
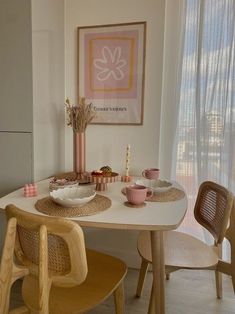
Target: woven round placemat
171 195
98 204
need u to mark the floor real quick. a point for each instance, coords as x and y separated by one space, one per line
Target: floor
187 292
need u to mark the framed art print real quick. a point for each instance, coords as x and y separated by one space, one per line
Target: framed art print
111 64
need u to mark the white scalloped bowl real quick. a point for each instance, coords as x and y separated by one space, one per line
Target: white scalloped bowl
156 185
73 196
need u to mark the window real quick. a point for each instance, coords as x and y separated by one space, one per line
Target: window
205 137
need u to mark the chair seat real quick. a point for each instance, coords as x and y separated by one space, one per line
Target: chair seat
105 273
181 250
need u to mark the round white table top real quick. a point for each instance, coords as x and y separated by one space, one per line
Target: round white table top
154 216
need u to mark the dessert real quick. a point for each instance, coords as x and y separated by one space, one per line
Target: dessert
55 183
104 171
107 171
97 173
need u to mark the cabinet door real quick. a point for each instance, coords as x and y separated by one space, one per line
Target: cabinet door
15 161
16 66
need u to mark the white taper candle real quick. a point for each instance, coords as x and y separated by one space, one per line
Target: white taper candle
128 155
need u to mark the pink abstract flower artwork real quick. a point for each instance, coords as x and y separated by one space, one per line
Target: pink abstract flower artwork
111 64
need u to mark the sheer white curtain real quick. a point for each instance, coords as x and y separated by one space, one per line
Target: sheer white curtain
175 15
204 147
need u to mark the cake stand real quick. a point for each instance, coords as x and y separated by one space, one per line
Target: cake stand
102 181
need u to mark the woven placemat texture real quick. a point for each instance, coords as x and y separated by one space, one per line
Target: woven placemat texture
98 204
71 176
171 195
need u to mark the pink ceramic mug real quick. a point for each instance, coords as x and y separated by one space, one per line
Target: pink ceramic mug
137 194
151 173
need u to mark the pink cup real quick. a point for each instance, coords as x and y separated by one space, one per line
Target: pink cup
151 173
137 194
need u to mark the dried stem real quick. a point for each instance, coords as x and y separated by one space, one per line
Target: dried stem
79 116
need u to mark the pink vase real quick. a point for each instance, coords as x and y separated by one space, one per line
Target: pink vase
79 153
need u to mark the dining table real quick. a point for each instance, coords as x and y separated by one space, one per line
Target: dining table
155 217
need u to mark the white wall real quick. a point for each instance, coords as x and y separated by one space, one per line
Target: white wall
48 86
106 144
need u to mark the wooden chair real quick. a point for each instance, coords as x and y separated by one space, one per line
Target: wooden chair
213 208
59 275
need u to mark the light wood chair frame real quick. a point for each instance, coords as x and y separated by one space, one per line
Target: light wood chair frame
227 231
12 269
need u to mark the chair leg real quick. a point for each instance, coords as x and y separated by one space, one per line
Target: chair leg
167 275
218 282
218 275
233 280
142 275
169 270
151 303
119 299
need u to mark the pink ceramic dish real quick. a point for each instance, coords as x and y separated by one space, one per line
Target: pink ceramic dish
137 194
151 173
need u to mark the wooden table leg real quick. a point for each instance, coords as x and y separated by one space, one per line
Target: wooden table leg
158 271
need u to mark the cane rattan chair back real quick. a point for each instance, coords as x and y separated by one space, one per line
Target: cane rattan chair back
66 266
212 209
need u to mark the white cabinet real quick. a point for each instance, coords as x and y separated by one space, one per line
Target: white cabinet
16 94
15 167
16 98
31 92
15 161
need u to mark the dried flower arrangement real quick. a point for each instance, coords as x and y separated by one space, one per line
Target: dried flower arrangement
79 116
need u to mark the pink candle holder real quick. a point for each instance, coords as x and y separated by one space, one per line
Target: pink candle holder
126 178
30 190
102 181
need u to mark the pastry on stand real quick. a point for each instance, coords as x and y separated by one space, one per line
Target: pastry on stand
102 177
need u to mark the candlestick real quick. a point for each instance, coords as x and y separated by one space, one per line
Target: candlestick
126 177
128 155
